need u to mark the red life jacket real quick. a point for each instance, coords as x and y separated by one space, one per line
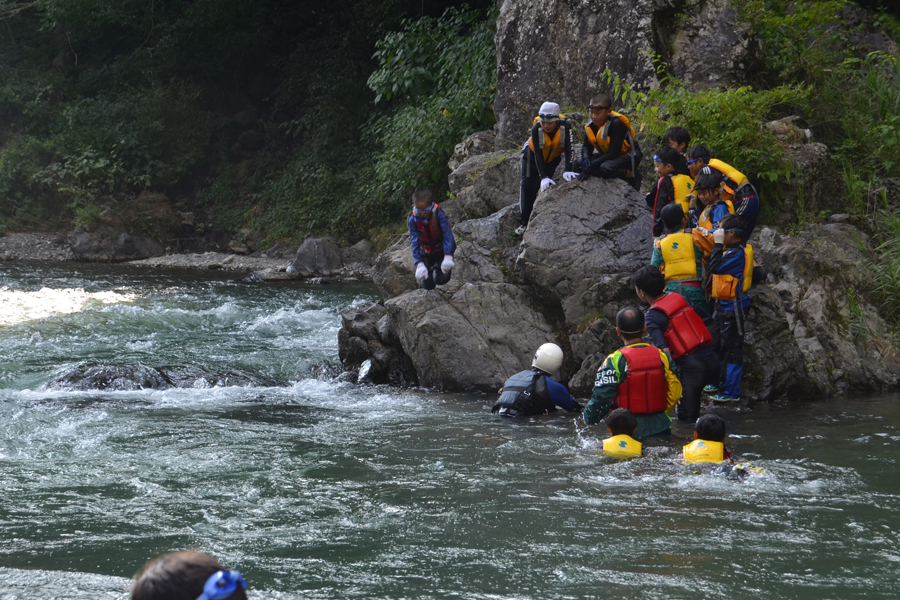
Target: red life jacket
645 389
431 237
686 331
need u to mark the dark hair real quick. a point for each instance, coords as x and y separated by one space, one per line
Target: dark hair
732 221
698 151
630 321
668 156
422 196
621 422
679 135
601 100
672 216
709 179
177 576
710 428
650 281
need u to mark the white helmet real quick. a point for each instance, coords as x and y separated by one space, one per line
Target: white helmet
548 358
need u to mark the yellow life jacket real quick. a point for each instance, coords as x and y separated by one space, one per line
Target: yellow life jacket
684 185
552 146
734 179
704 219
704 451
678 254
724 286
601 141
622 446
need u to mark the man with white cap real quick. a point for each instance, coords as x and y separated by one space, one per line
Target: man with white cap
549 142
533 391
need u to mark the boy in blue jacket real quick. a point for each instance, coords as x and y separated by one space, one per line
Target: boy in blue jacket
431 240
731 272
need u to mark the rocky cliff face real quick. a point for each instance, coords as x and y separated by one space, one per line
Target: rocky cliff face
811 329
557 50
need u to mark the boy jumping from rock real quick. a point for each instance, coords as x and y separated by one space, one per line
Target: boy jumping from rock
431 240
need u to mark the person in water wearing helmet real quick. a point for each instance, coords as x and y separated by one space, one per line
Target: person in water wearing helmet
611 134
621 425
736 187
187 576
674 325
730 266
709 442
549 143
678 255
671 187
638 376
708 188
534 392
431 240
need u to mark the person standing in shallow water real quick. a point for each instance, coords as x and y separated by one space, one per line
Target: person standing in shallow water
638 376
187 576
431 240
534 391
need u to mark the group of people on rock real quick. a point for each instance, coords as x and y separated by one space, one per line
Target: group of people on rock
701 268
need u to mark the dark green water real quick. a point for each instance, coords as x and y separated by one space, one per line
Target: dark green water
331 490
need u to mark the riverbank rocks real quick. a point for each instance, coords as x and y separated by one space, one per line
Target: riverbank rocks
104 243
121 377
316 256
484 184
45 247
369 349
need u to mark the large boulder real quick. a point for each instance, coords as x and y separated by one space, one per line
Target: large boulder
484 184
316 256
469 338
368 347
559 50
103 243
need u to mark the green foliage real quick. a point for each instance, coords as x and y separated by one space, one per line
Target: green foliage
440 75
731 122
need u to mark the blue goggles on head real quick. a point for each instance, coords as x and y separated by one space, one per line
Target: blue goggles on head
691 161
222 584
656 158
735 229
423 212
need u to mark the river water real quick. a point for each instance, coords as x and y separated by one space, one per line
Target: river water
331 490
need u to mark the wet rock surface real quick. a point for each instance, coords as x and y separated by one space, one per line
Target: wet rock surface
125 377
35 246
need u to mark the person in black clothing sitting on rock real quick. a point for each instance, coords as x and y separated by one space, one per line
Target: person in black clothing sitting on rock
612 136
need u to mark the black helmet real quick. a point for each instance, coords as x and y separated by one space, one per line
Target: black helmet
709 179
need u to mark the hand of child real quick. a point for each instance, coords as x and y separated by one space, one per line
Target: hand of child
585 164
570 175
447 263
692 200
719 236
421 271
546 182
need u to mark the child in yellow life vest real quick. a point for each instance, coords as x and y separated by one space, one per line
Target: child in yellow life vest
612 136
622 424
708 189
549 143
671 187
709 442
736 188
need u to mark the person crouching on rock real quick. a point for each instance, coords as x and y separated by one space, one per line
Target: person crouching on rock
550 141
432 241
638 376
612 136
534 392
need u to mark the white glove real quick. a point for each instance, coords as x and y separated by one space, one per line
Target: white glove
546 182
421 271
570 175
447 263
719 236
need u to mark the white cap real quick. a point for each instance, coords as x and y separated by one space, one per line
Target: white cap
549 111
548 358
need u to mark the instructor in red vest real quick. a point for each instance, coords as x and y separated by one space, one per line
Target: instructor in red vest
674 325
638 376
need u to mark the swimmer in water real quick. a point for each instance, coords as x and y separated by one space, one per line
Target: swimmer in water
709 442
187 576
621 424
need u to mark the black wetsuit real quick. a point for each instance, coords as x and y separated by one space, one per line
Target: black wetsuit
534 168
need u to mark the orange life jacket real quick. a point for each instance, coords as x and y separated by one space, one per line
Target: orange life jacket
600 140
